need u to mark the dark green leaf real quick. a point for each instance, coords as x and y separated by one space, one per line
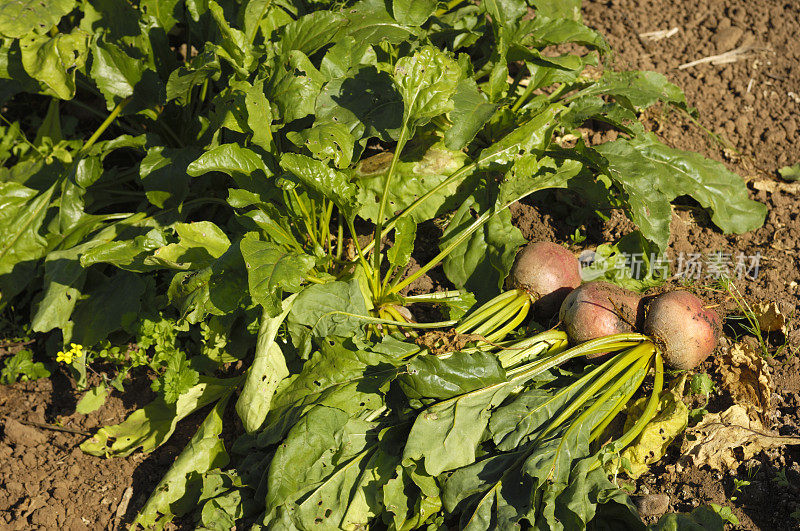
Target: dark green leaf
271 269
318 177
443 377
505 12
652 175
118 76
323 307
164 174
310 32
111 304
471 111
405 232
244 165
366 102
294 87
413 12
327 141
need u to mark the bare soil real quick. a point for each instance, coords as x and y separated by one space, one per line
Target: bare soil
748 119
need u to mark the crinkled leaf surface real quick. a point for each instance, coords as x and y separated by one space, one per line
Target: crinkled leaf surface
443 377
53 60
20 17
427 80
421 168
323 180
323 307
271 269
652 175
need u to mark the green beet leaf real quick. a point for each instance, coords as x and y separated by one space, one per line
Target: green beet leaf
652 175
52 61
174 495
331 309
271 270
266 372
149 427
20 17
427 80
319 178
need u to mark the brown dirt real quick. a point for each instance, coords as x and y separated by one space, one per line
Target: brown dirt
47 483
45 479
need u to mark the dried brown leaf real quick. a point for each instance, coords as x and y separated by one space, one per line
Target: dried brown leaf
724 440
746 375
770 317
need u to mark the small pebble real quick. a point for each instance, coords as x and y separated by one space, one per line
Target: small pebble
652 504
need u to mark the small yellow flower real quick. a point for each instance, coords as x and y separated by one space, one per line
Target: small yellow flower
68 356
77 350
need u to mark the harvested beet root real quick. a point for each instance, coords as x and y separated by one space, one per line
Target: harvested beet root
548 272
599 309
683 328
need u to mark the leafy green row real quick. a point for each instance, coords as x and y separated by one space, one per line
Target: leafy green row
195 176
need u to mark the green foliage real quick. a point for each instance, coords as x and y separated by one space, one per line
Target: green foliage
200 205
21 368
701 383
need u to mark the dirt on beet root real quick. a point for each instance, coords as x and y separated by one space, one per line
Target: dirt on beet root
749 110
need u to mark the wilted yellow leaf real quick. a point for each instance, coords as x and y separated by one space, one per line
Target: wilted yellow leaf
669 422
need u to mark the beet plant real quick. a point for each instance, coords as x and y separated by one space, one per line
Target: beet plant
240 190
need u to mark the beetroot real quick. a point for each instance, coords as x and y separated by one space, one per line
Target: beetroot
599 309
684 330
548 272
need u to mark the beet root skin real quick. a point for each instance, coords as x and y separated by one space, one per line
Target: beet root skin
685 331
598 309
548 272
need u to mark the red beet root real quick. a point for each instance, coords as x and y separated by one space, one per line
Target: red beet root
684 330
548 272
599 309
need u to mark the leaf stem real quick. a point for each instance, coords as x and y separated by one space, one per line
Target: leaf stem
435 296
512 324
513 307
650 408
413 206
103 126
361 255
488 308
483 218
401 142
619 363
